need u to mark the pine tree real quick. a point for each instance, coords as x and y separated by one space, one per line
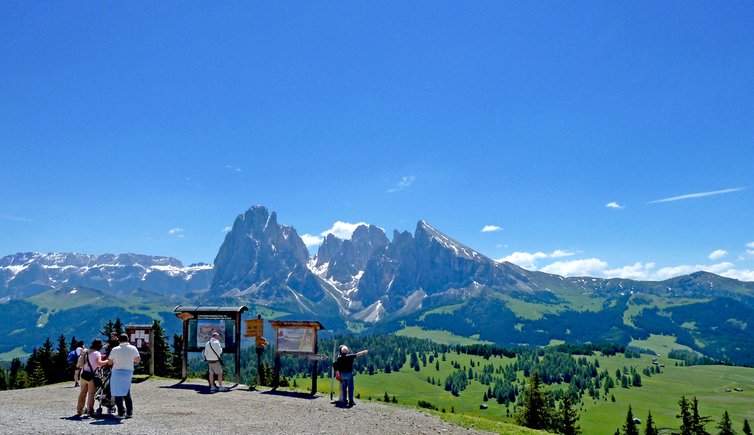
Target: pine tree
107 329
650 428
747 428
46 362
568 418
698 421
536 412
21 380
15 372
60 361
629 427
4 384
118 327
177 355
686 426
160 351
725 425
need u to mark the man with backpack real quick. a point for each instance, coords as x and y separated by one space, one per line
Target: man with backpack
213 351
72 358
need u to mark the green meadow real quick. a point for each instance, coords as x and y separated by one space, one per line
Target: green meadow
659 393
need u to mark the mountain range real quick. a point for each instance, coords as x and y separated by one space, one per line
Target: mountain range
425 280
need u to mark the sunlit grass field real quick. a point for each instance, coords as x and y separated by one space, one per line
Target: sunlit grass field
659 393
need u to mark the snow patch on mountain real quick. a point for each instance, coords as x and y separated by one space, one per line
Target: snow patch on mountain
371 314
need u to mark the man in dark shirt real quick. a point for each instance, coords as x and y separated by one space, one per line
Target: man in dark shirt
344 365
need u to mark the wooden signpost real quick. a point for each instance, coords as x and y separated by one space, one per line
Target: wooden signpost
199 322
142 337
299 338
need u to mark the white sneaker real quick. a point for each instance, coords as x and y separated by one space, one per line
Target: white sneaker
224 389
213 389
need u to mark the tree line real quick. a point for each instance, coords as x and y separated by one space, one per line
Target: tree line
48 363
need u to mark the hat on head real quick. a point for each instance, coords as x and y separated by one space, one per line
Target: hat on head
344 349
215 334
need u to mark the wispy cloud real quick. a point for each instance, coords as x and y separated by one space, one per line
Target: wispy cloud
226 229
310 240
232 168
717 254
403 184
177 232
14 218
697 195
491 228
614 205
750 249
342 230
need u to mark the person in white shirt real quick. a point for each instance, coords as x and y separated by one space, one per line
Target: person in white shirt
213 352
122 358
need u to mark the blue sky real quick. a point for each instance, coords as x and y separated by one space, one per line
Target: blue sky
592 138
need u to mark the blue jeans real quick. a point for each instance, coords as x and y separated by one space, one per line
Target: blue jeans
347 380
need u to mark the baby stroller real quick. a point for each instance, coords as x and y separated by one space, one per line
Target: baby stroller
102 395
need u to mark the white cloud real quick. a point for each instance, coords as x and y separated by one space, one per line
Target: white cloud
614 205
558 253
587 267
685 269
178 232
717 254
226 229
527 260
310 240
750 245
491 228
637 271
342 230
595 267
232 168
698 195
404 183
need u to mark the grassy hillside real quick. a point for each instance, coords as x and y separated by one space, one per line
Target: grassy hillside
658 394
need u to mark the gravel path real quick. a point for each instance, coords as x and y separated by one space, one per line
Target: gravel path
162 406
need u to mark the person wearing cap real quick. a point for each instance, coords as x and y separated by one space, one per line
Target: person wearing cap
122 358
213 351
344 363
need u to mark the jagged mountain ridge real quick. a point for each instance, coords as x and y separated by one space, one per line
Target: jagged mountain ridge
370 277
367 276
27 274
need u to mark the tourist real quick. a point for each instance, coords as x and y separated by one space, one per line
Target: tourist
213 351
122 358
344 365
92 360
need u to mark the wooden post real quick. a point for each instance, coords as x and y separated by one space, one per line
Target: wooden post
184 360
315 365
237 356
151 352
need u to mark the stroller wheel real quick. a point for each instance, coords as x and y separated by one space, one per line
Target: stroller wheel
98 412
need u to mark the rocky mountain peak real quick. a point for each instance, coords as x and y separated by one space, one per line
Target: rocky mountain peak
263 260
426 234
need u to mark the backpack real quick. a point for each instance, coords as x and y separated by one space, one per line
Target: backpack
72 357
82 359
